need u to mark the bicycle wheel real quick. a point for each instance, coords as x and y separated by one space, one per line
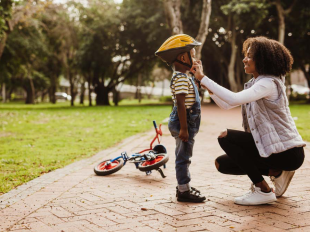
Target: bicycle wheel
149 165
102 169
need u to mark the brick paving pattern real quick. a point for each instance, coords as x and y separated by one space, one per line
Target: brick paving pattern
75 199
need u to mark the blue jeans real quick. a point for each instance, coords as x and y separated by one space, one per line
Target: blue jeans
184 150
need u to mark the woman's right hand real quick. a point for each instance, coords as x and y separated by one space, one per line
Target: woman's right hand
197 69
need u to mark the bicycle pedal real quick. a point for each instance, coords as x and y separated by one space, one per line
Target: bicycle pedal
148 173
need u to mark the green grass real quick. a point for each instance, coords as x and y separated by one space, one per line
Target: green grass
36 139
301 113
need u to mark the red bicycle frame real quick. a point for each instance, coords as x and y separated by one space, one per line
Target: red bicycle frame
158 132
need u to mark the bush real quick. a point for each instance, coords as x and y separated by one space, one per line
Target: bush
165 99
297 97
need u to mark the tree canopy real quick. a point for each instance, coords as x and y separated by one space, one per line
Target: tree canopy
105 43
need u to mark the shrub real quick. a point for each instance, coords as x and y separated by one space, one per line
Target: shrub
165 99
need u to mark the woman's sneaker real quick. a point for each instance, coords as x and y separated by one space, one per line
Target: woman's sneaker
282 182
256 197
192 195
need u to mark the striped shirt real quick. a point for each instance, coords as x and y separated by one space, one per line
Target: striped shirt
181 84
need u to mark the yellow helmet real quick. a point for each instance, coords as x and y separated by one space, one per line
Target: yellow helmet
174 46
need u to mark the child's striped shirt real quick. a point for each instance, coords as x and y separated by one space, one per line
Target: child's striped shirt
181 84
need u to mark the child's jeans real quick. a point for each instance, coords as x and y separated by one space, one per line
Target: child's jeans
184 150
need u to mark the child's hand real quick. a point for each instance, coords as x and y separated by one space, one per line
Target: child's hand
183 135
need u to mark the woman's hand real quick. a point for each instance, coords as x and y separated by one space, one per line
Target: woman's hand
197 69
223 134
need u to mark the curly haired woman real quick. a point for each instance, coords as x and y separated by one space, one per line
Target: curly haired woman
271 145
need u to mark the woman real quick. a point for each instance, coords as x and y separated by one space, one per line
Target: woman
271 144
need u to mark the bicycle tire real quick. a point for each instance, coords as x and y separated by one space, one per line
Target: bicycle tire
148 165
100 171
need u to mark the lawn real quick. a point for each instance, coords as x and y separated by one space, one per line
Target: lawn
37 139
301 114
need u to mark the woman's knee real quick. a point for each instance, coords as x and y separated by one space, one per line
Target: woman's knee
217 165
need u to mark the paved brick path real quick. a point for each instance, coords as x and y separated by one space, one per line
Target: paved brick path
74 199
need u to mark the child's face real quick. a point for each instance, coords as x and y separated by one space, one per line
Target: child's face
184 57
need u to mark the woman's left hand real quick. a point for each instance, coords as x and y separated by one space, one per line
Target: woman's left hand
197 69
223 134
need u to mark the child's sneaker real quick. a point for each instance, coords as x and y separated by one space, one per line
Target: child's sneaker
192 195
282 182
256 197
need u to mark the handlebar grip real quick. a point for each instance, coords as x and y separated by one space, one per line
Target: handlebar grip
155 125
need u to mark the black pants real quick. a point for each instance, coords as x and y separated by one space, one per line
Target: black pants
242 157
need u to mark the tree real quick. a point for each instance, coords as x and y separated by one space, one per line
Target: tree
173 17
298 36
52 27
282 13
23 59
237 10
118 42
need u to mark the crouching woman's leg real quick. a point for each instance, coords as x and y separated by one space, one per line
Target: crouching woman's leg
224 164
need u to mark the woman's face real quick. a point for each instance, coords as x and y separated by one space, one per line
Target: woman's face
249 63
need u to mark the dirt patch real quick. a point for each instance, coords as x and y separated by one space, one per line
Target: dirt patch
5 134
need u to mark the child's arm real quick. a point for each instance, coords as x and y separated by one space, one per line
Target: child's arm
183 135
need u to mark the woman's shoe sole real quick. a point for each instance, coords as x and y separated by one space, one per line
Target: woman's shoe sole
288 183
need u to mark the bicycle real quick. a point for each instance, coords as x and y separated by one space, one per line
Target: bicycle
153 160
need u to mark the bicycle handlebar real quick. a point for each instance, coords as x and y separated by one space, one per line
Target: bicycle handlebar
155 125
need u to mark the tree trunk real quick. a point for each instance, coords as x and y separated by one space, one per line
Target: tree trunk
72 94
138 91
9 94
232 62
173 16
115 96
2 43
82 93
53 88
43 95
89 91
281 22
240 74
102 95
204 25
30 93
3 93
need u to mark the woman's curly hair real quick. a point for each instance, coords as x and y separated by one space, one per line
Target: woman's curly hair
270 56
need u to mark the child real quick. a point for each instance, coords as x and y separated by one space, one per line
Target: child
178 52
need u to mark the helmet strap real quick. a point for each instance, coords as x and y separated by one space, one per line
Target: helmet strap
187 65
